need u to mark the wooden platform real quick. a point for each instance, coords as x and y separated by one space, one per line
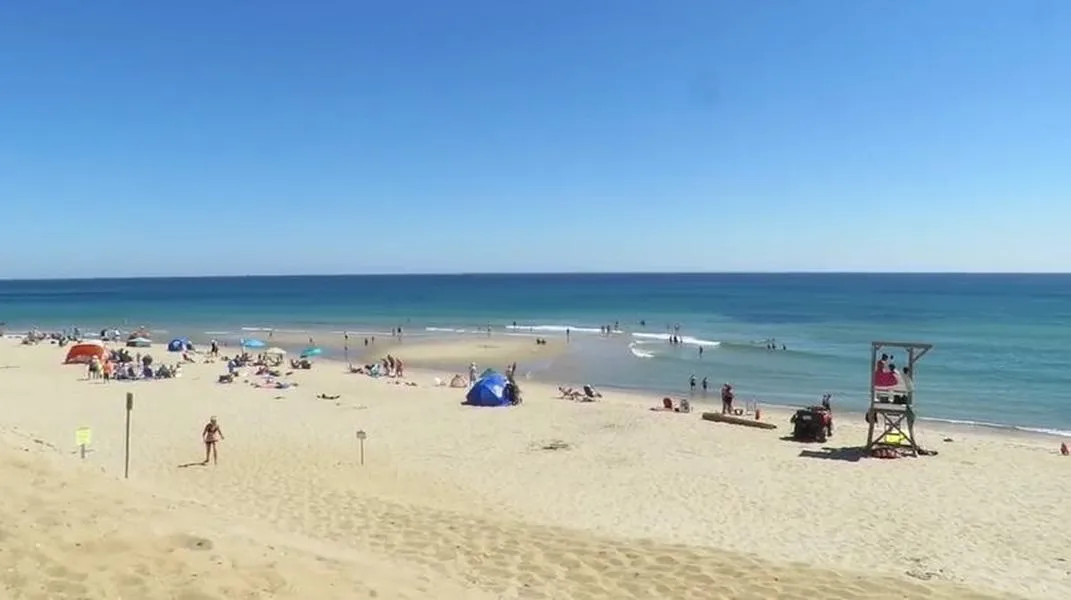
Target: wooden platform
734 420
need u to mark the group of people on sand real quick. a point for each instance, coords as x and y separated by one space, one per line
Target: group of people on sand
474 373
120 365
390 366
587 393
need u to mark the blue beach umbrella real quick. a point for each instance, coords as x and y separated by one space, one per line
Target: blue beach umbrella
311 351
252 343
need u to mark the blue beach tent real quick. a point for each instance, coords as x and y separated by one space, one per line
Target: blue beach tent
178 345
489 390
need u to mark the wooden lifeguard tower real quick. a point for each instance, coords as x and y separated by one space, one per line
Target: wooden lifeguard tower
890 408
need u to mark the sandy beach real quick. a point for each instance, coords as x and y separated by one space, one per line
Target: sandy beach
550 499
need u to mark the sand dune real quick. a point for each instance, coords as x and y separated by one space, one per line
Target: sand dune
70 531
473 502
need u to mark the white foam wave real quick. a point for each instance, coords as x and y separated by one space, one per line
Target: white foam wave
1057 432
276 330
685 339
557 328
639 353
445 330
217 332
1041 430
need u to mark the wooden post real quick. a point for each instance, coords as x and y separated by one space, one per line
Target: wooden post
126 452
361 435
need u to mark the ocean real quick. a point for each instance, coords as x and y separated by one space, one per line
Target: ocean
999 356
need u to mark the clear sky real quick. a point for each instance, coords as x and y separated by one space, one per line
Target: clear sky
274 136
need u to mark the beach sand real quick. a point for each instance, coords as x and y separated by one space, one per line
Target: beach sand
552 499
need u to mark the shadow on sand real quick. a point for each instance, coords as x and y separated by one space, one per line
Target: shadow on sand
845 453
849 454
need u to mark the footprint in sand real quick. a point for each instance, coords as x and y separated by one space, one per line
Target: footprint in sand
192 542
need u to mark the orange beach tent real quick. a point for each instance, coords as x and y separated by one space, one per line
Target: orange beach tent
84 353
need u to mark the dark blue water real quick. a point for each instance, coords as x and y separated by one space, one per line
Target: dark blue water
1000 340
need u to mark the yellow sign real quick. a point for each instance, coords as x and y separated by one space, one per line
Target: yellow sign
83 436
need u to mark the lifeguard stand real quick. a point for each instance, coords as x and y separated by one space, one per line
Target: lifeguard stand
890 409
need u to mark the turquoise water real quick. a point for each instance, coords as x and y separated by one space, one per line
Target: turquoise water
1000 340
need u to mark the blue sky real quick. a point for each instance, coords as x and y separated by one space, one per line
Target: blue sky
269 136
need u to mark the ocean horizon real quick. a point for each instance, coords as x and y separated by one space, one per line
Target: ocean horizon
999 339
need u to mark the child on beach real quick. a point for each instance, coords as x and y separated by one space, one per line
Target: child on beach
211 435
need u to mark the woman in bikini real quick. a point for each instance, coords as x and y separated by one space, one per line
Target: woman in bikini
211 436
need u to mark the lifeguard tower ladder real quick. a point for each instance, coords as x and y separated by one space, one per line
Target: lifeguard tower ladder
892 408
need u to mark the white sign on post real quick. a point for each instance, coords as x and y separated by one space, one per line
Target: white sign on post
83 436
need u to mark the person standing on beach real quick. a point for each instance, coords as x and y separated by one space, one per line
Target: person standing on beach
472 373
211 435
727 399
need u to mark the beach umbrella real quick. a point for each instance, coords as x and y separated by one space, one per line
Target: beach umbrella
252 343
311 351
275 351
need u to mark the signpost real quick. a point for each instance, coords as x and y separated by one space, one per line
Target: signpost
83 436
361 435
346 345
126 452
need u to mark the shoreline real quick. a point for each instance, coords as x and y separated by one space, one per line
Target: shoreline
700 400
293 340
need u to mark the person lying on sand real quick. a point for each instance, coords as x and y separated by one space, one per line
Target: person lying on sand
667 406
329 396
569 393
211 435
